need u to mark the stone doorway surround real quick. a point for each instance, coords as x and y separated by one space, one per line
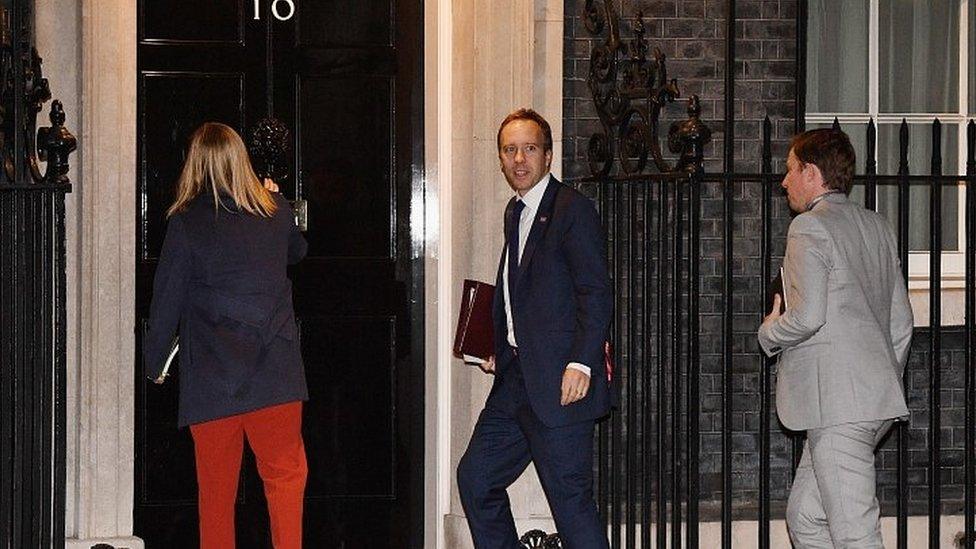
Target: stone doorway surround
482 61
89 51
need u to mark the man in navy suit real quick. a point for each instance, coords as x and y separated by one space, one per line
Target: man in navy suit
551 315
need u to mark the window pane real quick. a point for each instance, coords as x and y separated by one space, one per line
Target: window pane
918 59
920 162
837 56
858 133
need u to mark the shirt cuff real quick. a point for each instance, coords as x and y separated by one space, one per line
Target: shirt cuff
581 367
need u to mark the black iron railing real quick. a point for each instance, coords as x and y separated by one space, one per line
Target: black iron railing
32 293
691 288
649 469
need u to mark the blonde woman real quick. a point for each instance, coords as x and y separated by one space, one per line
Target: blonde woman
221 285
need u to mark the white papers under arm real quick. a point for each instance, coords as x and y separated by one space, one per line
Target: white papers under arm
169 359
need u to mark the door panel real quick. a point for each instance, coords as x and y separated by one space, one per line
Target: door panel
166 453
346 23
185 22
344 79
181 102
353 406
346 73
336 115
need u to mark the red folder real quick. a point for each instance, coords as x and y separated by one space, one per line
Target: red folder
475 335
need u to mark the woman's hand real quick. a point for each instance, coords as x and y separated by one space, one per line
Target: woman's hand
270 185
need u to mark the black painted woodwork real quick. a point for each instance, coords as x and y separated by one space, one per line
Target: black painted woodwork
344 77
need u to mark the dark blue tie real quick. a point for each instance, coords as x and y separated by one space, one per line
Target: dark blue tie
513 250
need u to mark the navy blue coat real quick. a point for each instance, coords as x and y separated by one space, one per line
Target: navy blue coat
222 284
562 306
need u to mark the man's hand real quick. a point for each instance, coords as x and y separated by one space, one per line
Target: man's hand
575 386
270 185
489 365
774 313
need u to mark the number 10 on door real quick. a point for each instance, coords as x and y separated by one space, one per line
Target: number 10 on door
281 13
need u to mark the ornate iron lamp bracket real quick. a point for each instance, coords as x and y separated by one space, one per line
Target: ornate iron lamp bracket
629 91
52 144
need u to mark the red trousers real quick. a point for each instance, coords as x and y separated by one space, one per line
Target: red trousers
275 436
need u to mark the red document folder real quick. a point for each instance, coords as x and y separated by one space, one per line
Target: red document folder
475 335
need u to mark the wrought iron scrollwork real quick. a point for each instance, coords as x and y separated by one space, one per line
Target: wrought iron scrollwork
598 154
629 91
32 290
593 17
534 539
52 144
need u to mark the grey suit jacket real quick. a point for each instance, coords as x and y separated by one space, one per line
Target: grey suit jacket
845 335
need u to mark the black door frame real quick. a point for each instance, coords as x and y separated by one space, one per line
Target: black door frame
417 286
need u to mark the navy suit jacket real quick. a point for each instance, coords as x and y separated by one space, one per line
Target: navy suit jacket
562 307
222 284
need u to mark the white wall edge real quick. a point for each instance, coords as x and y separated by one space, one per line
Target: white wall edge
438 30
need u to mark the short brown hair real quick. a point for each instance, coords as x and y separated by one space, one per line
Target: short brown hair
829 150
527 114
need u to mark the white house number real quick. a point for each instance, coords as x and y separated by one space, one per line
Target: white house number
281 13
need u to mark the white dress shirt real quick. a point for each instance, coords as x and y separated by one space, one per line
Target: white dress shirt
532 199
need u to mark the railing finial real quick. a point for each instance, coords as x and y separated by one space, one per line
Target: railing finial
688 138
54 144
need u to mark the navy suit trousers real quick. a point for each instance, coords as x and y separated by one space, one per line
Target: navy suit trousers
507 437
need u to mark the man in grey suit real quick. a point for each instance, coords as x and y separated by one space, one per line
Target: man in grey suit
843 341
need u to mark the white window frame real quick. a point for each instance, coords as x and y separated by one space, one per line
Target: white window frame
953 262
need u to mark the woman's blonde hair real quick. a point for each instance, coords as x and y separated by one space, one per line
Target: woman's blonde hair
218 161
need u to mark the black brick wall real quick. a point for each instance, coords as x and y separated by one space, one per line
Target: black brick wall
691 33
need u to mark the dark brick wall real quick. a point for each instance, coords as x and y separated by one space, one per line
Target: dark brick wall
952 416
692 35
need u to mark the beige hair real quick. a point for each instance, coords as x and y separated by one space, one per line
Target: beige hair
218 160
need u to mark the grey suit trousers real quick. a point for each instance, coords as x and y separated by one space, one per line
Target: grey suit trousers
833 503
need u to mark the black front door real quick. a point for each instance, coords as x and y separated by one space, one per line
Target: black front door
344 77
